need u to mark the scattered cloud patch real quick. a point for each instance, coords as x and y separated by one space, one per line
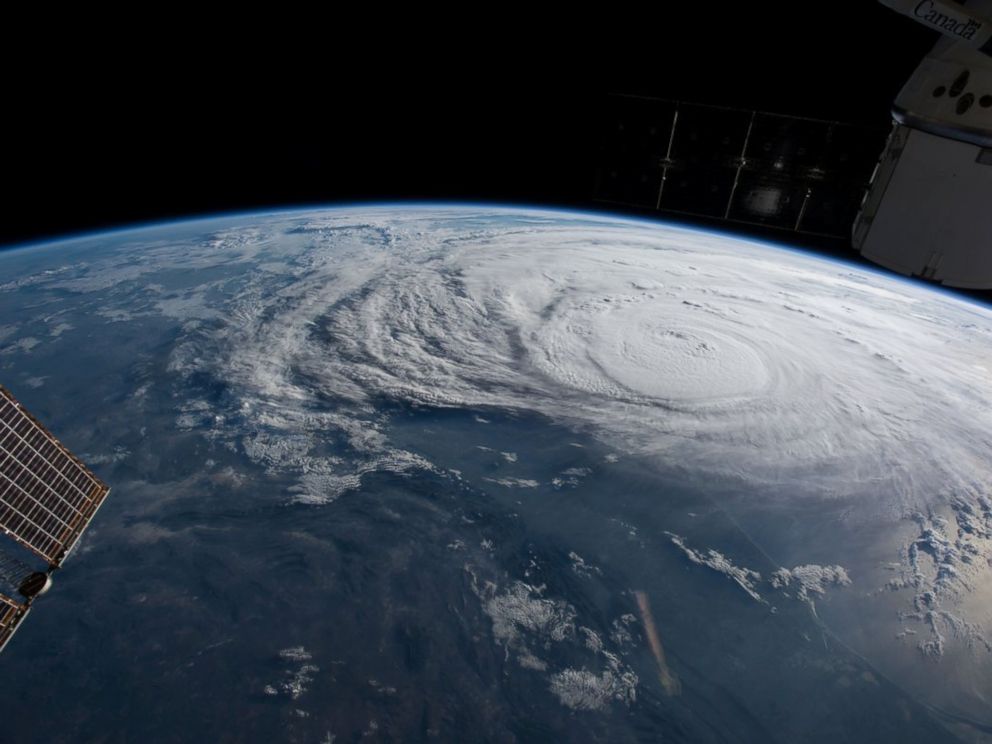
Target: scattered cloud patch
745 578
529 624
570 477
581 689
582 568
513 482
809 580
296 677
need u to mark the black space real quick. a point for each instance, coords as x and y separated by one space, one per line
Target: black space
500 109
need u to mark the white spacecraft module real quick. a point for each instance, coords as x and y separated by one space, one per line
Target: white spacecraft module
47 499
928 210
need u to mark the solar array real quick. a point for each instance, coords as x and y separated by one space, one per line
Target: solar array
47 498
787 172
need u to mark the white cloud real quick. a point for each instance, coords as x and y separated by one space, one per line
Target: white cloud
514 482
581 689
529 624
745 578
296 679
810 579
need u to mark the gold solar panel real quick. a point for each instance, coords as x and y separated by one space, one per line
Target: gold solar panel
47 496
11 614
47 499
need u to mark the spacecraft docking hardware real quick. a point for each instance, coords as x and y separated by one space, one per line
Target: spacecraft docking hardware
928 209
47 499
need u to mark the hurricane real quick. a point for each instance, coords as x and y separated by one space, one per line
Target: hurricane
722 357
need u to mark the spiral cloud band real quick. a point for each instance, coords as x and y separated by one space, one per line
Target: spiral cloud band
700 350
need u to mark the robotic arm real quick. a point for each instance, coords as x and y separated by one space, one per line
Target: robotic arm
950 18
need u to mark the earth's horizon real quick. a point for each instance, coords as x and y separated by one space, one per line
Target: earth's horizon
472 472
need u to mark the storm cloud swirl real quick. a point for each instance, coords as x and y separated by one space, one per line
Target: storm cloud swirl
706 352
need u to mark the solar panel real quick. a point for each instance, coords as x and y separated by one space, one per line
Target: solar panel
704 159
743 166
633 151
47 496
12 613
47 499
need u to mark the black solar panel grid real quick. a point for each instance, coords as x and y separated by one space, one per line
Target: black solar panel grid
46 495
709 137
852 151
768 198
632 152
788 145
753 167
637 128
833 204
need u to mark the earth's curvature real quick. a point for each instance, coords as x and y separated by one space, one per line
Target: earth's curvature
471 473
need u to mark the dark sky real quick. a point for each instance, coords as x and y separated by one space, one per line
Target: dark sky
503 108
